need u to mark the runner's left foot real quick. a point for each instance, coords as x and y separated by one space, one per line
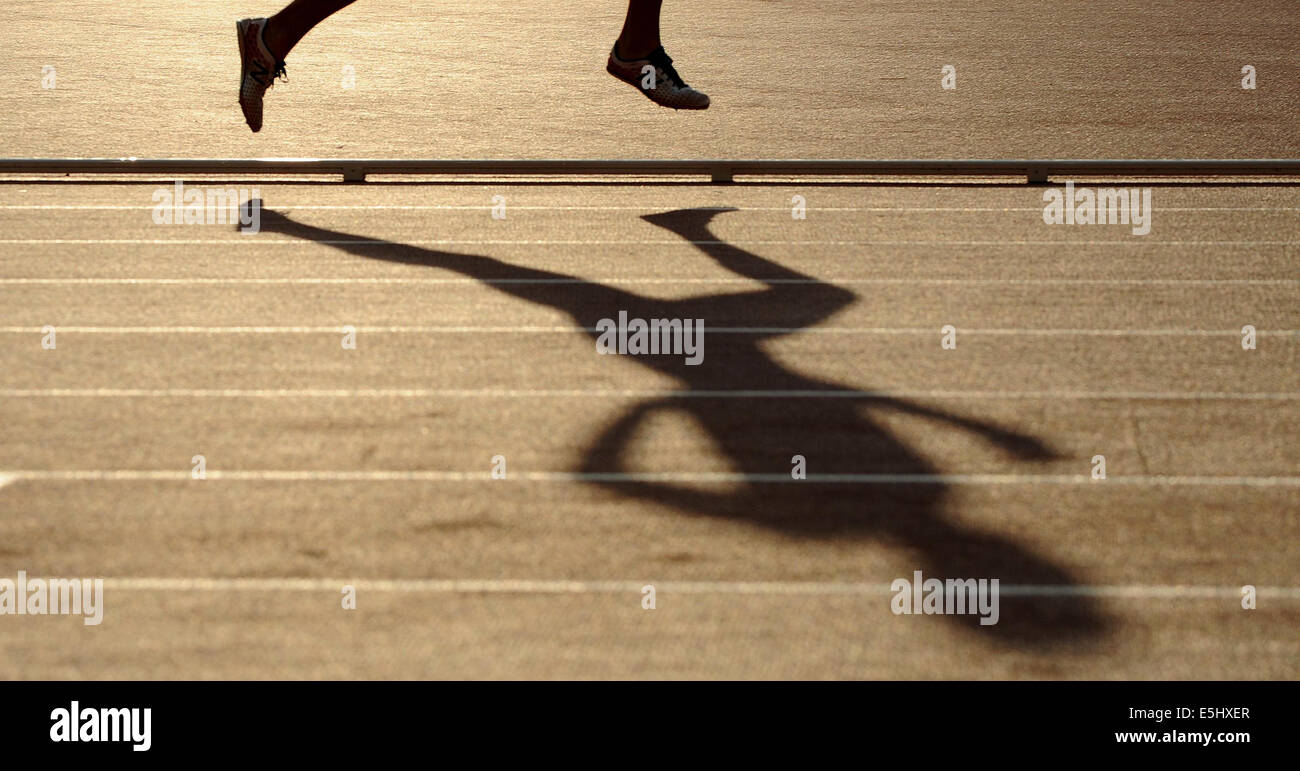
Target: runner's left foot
258 69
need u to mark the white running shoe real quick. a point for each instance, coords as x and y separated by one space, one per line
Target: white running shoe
657 79
258 69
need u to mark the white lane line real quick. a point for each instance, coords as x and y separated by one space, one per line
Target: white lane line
275 475
760 588
653 209
559 329
255 241
512 393
615 280
6 479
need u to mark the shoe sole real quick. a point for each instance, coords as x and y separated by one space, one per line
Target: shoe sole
243 73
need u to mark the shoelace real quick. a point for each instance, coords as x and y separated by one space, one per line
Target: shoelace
660 58
267 79
280 73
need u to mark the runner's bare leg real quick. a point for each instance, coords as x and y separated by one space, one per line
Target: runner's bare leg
286 28
640 33
639 37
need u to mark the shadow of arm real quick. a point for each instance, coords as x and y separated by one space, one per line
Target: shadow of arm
532 284
1013 442
606 454
806 298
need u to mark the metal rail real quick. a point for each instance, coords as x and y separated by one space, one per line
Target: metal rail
718 170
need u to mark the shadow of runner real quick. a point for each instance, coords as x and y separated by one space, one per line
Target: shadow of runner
758 436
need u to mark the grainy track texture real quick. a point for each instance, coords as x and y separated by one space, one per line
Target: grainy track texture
370 467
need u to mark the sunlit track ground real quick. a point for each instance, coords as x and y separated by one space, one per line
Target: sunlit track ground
371 466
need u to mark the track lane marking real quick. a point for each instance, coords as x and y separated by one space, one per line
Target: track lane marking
563 329
510 393
254 241
761 588
284 475
652 209
615 280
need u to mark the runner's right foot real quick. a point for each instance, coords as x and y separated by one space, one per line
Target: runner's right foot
664 87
